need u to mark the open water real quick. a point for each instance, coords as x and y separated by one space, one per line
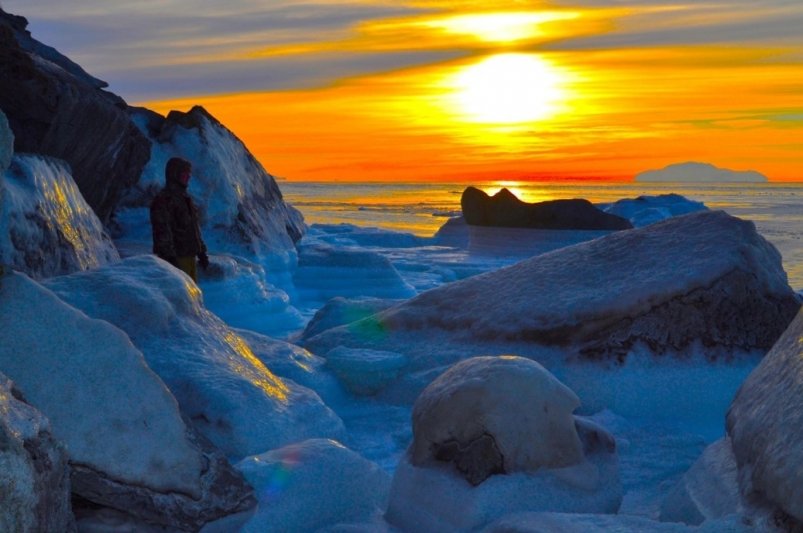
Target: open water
422 208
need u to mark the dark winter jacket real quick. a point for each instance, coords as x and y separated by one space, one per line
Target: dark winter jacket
174 219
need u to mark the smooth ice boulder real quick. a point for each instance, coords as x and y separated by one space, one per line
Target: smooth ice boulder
56 109
313 484
646 210
365 372
496 415
709 490
242 208
128 445
705 279
339 311
221 386
500 415
503 209
46 226
34 475
326 272
6 143
765 425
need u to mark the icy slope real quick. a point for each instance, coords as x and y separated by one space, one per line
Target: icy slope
702 279
229 394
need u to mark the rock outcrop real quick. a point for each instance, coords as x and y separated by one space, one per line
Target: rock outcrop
240 203
704 280
46 227
34 476
503 209
129 447
57 109
765 425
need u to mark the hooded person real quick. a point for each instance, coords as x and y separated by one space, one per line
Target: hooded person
174 220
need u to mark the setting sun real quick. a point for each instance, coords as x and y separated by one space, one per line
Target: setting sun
507 89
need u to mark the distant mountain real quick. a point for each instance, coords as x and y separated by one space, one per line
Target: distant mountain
701 172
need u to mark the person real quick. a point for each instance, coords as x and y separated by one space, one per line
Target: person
174 220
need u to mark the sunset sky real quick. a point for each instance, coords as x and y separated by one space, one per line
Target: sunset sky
459 90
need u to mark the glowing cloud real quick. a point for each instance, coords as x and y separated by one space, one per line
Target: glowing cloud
503 27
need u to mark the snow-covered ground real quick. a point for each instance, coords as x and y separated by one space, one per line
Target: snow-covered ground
321 432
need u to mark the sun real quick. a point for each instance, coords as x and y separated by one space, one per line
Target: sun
510 88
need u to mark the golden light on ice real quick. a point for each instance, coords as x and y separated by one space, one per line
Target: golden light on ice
510 88
503 27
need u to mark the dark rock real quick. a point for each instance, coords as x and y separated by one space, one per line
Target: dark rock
478 459
56 109
503 209
224 492
34 478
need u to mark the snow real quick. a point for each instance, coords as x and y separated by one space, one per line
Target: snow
646 210
764 424
46 226
112 412
228 393
314 484
708 491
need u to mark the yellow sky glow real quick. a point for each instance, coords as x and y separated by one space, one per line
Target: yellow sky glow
500 113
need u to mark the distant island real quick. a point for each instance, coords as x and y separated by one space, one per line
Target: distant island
701 172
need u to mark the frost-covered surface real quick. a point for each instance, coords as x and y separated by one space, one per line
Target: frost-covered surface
34 478
365 372
646 210
524 410
765 422
700 172
708 491
599 523
113 413
326 272
434 498
242 209
338 311
706 278
227 392
6 143
46 227
312 485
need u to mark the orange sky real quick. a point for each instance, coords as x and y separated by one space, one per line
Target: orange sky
536 94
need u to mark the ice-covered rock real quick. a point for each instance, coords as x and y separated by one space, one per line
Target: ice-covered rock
491 415
326 272
705 279
339 311
764 424
46 227
500 415
646 210
128 446
57 109
365 372
709 490
6 143
34 476
503 209
242 208
313 484
227 392
700 172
